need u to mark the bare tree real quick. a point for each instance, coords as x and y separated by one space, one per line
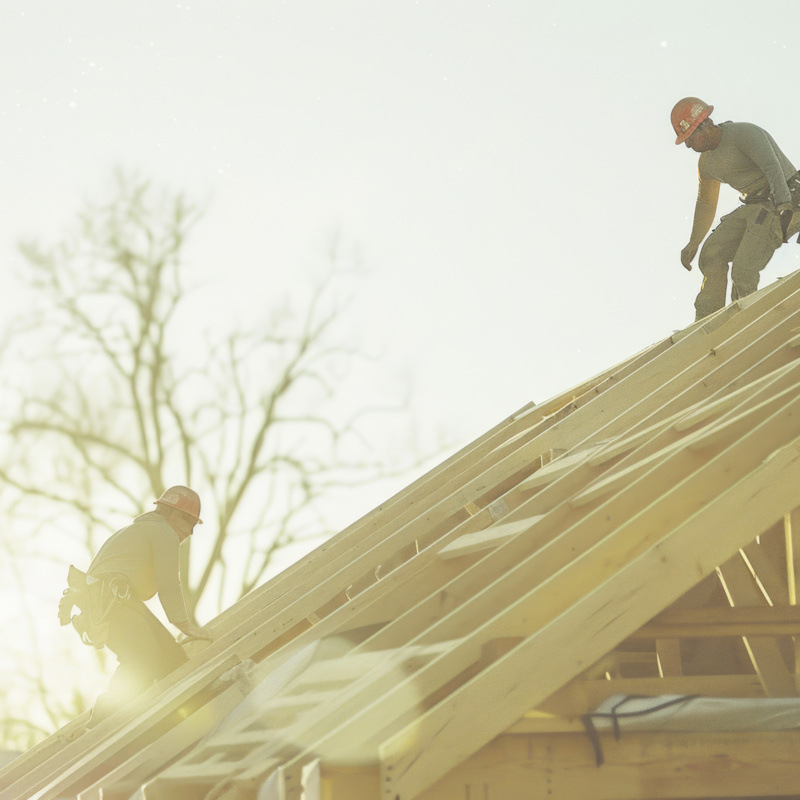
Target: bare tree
116 400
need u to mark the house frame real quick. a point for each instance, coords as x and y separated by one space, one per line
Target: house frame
636 535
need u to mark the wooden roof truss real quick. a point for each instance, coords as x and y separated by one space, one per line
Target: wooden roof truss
639 534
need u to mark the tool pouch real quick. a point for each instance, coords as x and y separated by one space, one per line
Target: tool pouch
786 216
794 188
92 633
94 599
65 606
76 594
786 221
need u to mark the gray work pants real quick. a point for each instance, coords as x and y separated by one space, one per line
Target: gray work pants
746 238
146 652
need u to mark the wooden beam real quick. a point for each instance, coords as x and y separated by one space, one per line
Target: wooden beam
355 725
132 773
640 766
669 657
486 539
581 696
791 524
732 361
461 655
123 734
764 652
350 783
792 543
767 558
571 419
443 737
585 425
304 604
234 629
750 400
762 620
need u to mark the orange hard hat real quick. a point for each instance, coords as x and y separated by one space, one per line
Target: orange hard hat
687 115
184 499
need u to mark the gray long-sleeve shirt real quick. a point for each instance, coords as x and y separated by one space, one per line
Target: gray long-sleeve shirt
748 159
146 552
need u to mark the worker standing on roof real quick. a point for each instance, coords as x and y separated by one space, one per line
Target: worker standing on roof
747 158
134 564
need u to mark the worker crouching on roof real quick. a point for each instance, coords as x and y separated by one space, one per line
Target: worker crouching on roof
747 158
134 564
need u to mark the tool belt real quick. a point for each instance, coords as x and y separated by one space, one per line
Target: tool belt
794 188
94 597
763 196
786 216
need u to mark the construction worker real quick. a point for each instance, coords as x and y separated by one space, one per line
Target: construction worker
133 565
747 158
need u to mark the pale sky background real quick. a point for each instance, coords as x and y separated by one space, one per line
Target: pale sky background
507 169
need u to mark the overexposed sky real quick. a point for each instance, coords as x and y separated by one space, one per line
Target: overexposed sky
507 169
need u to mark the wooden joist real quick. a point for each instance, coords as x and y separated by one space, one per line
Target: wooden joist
524 580
745 620
638 766
415 758
346 735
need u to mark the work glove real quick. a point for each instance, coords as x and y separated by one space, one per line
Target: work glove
687 254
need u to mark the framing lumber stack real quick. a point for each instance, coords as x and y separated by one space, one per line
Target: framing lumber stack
639 534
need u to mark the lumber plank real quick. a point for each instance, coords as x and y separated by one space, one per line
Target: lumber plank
585 422
702 412
764 652
560 466
765 297
352 730
441 738
425 491
692 385
350 783
556 521
500 568
485 539
740 358
639 766
58 775
668 652
758 620
272 593
748 399
791 532
711 434
39 753
767 559
135 771
581 695
631 402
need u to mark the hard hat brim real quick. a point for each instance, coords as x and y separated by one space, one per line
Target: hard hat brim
701 117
